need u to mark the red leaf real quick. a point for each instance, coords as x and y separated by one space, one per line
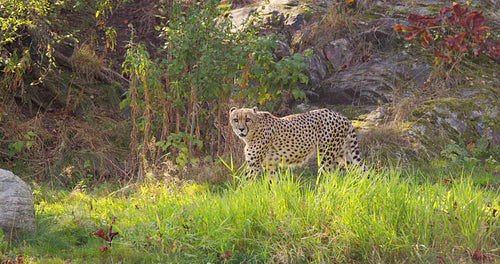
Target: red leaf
411 36
103 248
478 255
457 16
398 28
460 37
425 38
410 28
226 255
477 19
436 53
427 20
100 233
459 11
111 235
110 230
481 30
457 42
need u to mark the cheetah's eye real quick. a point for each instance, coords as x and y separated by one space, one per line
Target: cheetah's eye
235 120
248 120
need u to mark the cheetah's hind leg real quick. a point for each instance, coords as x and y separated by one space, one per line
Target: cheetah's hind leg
352 156
327 162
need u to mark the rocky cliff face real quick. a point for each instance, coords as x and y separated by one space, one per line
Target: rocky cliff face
371 67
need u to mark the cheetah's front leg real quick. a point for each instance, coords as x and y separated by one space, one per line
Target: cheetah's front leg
254 155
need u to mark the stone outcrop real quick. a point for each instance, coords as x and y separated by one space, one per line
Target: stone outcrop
457 119
285 15
372 82
17 212
372 67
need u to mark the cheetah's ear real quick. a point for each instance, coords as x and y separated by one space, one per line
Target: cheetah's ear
255 110
232 109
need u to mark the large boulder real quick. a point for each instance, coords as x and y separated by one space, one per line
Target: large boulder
287 15
338 53
17 212
372 82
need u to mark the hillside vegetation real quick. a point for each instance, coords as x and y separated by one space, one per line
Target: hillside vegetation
115 112
119 89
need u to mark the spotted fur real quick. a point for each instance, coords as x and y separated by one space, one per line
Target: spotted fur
292 140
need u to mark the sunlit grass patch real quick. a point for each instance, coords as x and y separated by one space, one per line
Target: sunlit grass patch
344 216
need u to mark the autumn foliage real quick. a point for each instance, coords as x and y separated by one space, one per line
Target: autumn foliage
108 238
458 29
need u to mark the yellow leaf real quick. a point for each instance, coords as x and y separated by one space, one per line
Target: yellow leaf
349 1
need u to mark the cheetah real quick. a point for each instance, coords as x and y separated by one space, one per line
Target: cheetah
292 140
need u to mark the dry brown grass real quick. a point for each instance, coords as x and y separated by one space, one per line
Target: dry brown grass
65 150
338 20
86 62
386 143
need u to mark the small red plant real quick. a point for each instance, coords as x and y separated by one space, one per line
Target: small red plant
463 30
225 256
108 238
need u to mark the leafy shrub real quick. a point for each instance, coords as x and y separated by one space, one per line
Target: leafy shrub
473 153
205 63
458 31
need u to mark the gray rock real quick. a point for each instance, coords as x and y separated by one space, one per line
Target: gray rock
374 81
306 108
383 40
282 49
284 14
338 53
274 15
376 115
17 212
284 2
294 22
317 69
241 15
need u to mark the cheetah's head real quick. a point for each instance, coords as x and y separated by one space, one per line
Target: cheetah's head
243 121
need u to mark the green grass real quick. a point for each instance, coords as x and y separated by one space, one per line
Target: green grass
391 217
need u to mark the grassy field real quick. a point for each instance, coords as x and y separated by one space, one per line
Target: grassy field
393 216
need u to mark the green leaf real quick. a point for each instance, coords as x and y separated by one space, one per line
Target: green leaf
18 146
298 94
124 103
29 144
